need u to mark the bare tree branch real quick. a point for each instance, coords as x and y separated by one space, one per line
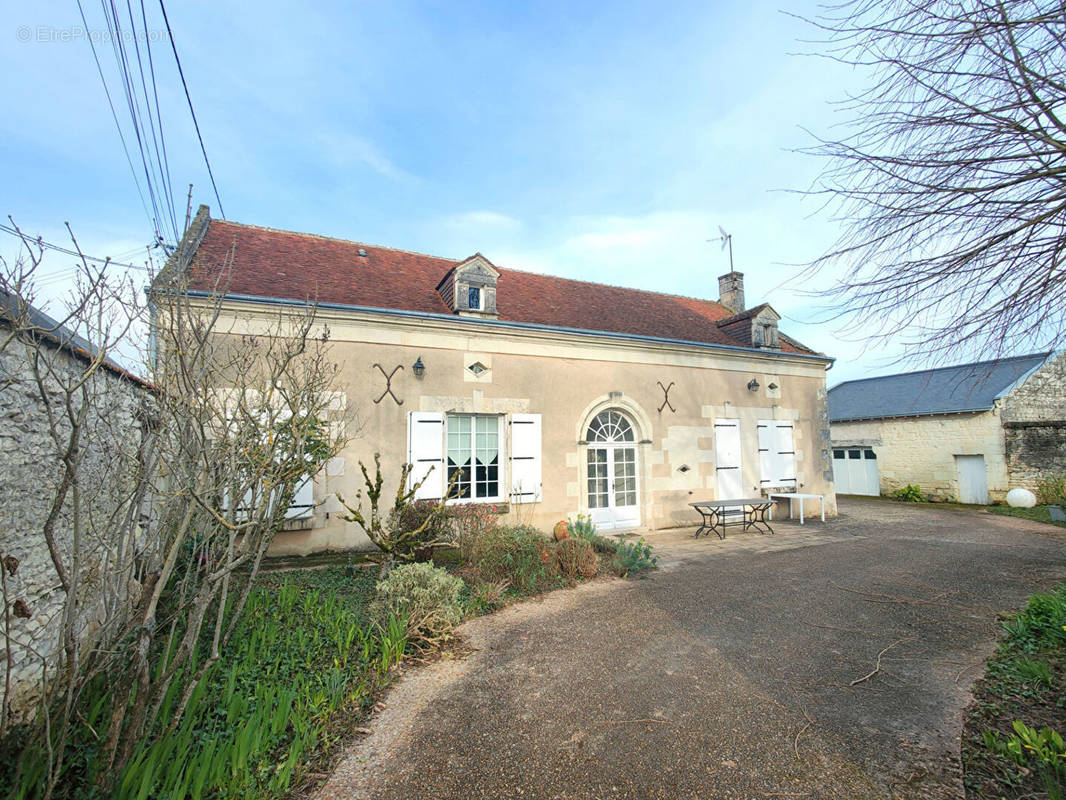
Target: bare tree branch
949 174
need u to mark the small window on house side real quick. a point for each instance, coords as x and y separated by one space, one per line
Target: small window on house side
838 454
854 453
868 454
474 297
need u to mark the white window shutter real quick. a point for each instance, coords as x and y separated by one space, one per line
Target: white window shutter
727 453
425 452
525 458
242 512
786 454
303 501
767 452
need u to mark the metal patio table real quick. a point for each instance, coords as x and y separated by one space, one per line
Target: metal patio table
715 514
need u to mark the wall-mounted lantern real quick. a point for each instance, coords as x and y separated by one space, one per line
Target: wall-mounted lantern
418 368
753 385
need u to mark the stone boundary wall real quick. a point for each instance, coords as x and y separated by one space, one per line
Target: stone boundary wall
1035 450
1034 425
30 473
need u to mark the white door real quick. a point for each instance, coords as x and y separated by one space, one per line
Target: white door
728 467
973 480
612 472
855 471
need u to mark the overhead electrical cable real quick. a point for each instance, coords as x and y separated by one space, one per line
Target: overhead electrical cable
192 111
114 25
114 116
166 195
167 183
67 251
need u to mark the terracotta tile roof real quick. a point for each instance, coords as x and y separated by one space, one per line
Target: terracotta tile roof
298 266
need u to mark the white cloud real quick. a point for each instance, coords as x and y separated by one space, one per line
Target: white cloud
347 150
481 220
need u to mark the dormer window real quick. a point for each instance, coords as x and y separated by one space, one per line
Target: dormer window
469 289
764 331
756 327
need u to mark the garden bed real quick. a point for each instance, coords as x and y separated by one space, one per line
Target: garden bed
1025 682
311 654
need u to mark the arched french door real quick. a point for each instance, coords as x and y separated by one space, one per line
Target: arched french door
612 471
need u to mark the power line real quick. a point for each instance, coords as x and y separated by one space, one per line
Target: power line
114 115
168 184
188 98
67 251
114 26
157 164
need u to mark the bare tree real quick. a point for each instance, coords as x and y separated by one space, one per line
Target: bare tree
950 173
75 487
247 416
159 512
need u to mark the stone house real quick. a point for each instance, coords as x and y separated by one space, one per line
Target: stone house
967 433
540 395
31 468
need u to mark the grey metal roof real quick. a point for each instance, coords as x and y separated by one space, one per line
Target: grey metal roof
947 390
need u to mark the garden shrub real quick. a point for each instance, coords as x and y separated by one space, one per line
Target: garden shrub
425 595
576 558
471 523
1041 625
429 516
486 597
519 554
583 528
910 494
634 557
406 530
1051 490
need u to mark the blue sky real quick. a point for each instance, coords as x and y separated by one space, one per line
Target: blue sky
601 141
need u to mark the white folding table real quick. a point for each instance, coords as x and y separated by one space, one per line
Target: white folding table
792 496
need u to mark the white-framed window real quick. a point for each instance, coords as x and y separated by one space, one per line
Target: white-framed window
473 452
777 454
491 458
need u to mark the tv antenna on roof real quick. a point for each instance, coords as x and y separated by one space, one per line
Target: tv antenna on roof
725 239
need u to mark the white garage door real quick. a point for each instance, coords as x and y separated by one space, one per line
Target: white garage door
855 471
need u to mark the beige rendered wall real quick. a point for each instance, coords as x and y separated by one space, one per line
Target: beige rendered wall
566 379
922 450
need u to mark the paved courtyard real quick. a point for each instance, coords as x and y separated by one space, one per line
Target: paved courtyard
828 661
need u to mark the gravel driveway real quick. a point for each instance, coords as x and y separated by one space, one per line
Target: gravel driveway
829 661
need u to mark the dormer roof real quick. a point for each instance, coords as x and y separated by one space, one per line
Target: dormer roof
761 310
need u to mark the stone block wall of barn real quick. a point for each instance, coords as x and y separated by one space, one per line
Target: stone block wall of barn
1034 426
921 451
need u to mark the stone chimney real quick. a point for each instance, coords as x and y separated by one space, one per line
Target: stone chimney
731 291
